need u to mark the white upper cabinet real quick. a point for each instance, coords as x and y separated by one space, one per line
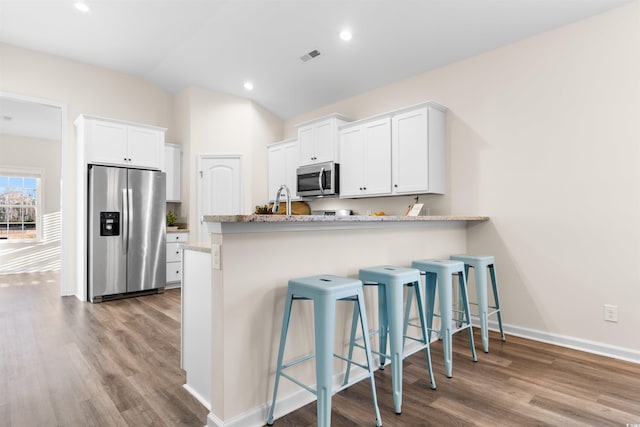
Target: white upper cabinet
173 168
283 160
365 159
318 139
418 152
113 142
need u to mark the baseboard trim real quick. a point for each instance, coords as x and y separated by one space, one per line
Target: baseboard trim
257 417
601 349
198 396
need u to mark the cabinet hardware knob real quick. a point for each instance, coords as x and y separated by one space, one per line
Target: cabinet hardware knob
395 185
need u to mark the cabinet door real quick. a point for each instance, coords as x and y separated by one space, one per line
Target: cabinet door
324 141
145 147
377 157
410 149
291 154
277 168
174 253
352 164
283 161
106 143
172 167
306 145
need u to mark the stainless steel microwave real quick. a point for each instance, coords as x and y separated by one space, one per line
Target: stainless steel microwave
320 179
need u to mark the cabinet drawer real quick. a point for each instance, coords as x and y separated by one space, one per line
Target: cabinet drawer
177 237
174 253
174 272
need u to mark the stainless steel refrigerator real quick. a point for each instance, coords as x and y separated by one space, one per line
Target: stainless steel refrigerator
126 235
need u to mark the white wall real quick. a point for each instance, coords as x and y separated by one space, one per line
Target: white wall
43 255
543 137
86 89
217 123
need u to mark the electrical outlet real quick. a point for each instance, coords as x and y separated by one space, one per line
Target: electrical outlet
610 313
215 256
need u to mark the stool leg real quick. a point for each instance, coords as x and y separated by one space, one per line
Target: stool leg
394 293
407 313
463 291
483 305
494 284
359 308
354 327
383 323
283 340
460 303
445 300
430 286
324 314
423 326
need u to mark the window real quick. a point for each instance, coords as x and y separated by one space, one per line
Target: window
20 206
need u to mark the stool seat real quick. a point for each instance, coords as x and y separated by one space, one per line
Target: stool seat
382 273
325 291
324 285
480 265
474 259
439 273
391 281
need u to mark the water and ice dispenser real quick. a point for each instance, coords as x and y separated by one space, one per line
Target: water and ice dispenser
109 223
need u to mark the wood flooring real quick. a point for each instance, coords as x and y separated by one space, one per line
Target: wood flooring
68 363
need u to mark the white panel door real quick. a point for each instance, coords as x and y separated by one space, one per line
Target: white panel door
220 191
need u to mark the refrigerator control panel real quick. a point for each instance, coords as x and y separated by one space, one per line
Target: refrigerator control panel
109 223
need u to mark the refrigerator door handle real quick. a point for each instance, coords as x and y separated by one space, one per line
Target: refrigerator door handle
129 214
125 221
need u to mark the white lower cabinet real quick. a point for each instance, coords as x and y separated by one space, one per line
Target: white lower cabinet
174 257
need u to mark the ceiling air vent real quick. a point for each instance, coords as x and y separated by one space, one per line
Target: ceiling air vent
309 56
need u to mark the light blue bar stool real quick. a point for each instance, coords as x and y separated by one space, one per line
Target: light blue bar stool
480 264
440 273
324 290
391 281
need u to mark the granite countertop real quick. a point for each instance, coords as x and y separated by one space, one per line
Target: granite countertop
197 246
329 218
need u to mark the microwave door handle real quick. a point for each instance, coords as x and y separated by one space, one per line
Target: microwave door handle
320 180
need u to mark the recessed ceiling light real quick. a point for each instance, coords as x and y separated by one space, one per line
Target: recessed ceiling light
248 86
346 35
81 6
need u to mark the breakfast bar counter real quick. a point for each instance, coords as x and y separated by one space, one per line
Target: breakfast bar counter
245 275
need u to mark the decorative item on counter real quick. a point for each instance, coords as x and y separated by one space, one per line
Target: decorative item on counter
262 210
381 213
171 221
297 208
415 208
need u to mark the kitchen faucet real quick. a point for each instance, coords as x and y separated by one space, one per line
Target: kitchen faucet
276 203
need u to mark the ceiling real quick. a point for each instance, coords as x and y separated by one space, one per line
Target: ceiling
220 44
30 119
